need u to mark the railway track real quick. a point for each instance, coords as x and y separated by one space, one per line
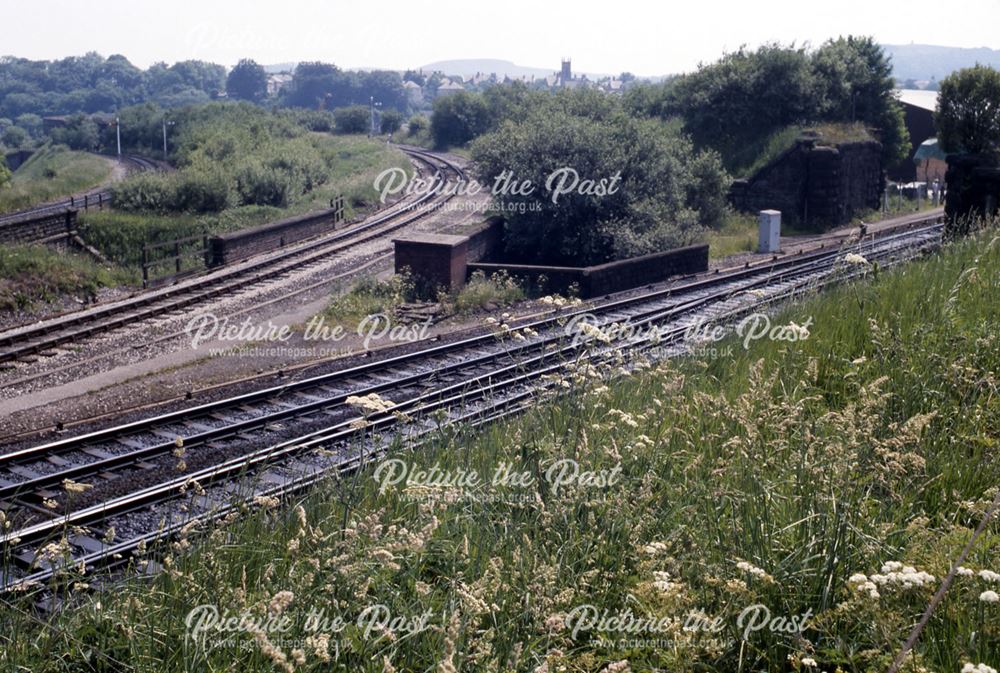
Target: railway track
280 439
42 337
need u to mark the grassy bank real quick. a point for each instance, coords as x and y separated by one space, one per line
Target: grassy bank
34 273
51 173
780 477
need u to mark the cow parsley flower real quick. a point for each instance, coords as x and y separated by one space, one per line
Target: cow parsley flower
759 573
895 573
978 668
989 597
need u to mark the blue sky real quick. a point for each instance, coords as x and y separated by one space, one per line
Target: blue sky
647 38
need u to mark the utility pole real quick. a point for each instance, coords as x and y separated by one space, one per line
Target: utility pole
373 105
165 125
118 134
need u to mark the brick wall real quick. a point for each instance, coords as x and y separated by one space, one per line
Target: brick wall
434 259
486 241
243 244
637 271
594 281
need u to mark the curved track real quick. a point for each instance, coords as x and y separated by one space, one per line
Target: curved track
72 328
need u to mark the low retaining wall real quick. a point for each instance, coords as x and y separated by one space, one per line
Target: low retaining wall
449 261
239 245
486 242
594 281
33 229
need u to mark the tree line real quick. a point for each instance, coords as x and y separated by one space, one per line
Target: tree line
85 85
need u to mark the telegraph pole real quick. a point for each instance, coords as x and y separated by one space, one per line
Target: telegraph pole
165 125
373 105
118 134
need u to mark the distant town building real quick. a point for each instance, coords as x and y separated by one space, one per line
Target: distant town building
414 93
277 82
449 87
918 114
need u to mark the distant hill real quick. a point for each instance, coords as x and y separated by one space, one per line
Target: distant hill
470 66
924 61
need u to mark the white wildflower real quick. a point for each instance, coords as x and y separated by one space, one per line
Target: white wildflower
654 549
759 573
370 402
978 668
989 575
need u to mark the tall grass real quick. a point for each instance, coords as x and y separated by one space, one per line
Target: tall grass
767 476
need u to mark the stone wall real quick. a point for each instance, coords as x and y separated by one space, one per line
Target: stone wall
17 158
39 227
815 185
973 184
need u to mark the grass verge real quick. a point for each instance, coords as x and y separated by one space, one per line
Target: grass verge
780 506
35 273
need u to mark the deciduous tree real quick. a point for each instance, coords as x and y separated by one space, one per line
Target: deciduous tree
247 81
968 113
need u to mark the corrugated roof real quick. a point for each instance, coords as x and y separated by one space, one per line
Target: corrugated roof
925 100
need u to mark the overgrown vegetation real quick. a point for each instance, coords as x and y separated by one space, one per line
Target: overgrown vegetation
84 85
30 274
233 155
489 293
369 296
732 105
760 153
52 172
605 185
832 480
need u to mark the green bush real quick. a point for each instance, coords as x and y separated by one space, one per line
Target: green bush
658 192
353 119
417 124
201 192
